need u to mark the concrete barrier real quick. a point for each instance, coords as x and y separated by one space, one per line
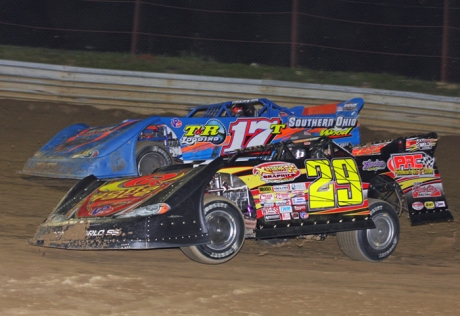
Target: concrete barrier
160 93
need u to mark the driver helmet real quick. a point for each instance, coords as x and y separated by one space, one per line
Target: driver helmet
237 110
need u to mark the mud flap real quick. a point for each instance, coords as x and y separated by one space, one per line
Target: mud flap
430 216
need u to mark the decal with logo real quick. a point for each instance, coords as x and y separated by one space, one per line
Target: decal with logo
212 132
428 190
275 172
429 205
418 206
402 165
374 165
285 216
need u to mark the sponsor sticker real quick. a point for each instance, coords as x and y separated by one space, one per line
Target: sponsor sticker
270 210
299 201
283 202
175 122
403 165
300 208
281 188
282 196
427 190
267 203
266 196
418 206
286 216
265 189
440 203
301 186
429 205
374 165
295 215
272 217
296 194
212 132
303 215
273 172
285 209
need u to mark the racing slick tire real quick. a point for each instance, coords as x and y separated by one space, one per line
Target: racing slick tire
150 156
374 244
226 230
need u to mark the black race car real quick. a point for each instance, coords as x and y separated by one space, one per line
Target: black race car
290 189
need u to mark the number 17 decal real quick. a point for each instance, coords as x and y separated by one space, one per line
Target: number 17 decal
325 192
250 132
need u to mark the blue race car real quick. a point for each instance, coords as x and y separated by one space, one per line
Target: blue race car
137 147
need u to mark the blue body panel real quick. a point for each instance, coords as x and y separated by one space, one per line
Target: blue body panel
205 133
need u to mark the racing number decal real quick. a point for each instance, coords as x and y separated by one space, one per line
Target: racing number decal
321 190
323 193
250 132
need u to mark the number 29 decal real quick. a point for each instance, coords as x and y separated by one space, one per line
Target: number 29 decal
337 183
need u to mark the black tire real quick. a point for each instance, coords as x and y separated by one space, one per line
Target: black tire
226 230
150 156
373 244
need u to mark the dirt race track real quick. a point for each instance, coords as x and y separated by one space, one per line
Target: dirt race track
422 277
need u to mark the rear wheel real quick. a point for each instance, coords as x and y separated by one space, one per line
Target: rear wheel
374 244
226 229
386 189
150 156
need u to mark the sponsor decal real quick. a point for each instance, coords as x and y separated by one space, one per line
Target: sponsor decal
121 195
272 217
103 233
303 215
102 210
418 206
429 205
334 132
300 208
266 196
270 210
440 203
298 186
267 203
420 144
419 191
283 202
374 165
285 209
273 172
424 144
295 215
286 216
298 194
314 122
265 189
350 106
212 132
282 196
281 188
175 122
298 201
402 165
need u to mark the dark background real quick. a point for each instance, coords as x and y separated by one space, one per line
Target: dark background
402 37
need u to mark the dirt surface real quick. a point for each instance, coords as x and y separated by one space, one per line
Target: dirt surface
297 278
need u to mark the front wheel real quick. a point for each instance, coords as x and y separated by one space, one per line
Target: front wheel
150 156
374 244
226 229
